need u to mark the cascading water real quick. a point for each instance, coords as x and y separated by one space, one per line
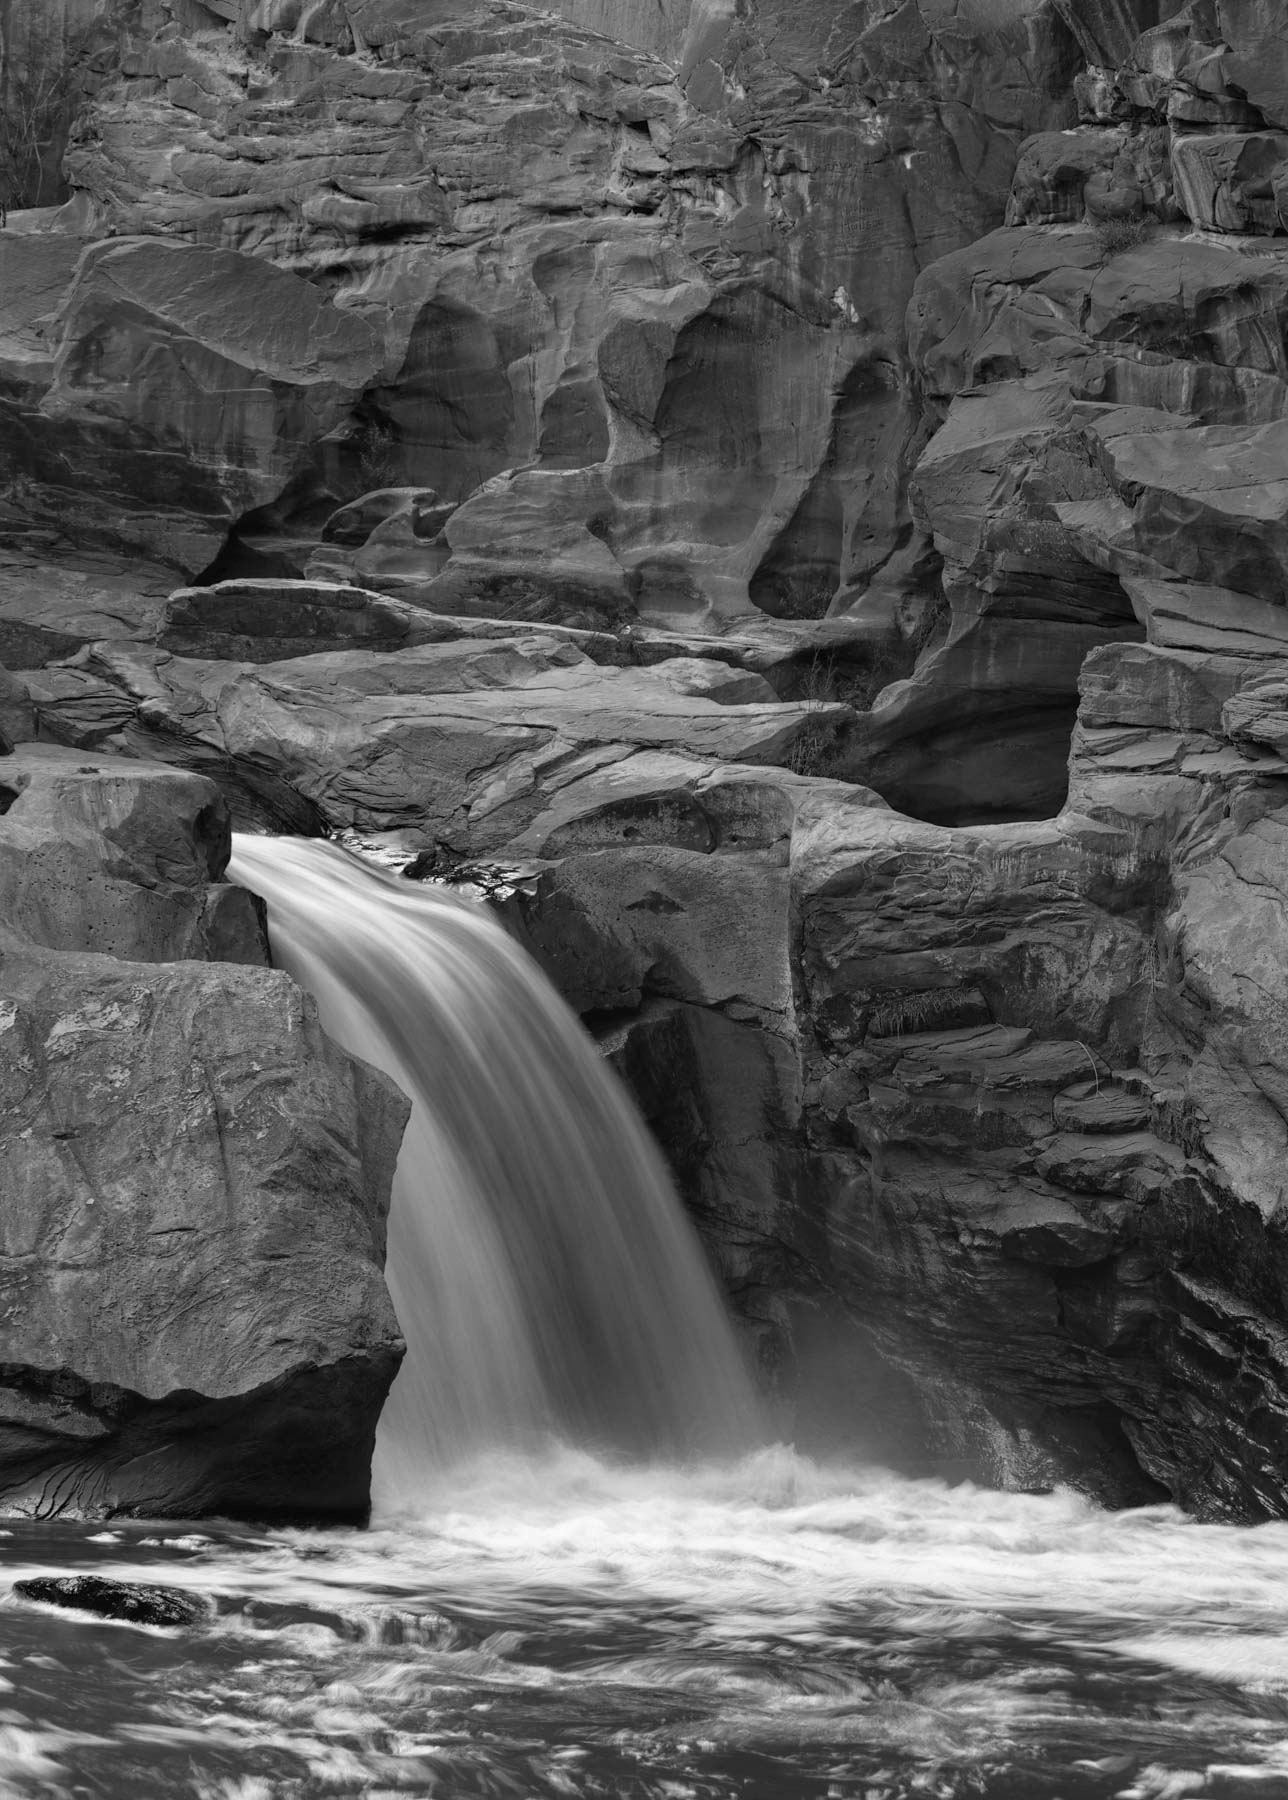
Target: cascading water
545 1276
539 1620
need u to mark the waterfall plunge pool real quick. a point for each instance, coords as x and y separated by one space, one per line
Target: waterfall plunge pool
681 1615
557 1625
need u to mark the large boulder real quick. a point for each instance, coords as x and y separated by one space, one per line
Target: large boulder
119 857
195 1317
51 609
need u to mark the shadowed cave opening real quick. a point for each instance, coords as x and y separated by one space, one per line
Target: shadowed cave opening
982 731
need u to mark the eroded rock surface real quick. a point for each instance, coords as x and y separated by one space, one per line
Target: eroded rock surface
1048 1056
629 288
482 744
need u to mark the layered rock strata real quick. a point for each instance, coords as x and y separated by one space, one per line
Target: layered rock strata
1049 1056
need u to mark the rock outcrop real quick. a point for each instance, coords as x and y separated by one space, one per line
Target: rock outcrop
1048 1056
513 392
512 743
195 1317
628 283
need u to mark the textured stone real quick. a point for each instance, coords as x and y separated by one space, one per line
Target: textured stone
49 610
151 1364
119 857
267 621
195 1318
1106 30
481 745
187 387
676 253
1227 181
997 1089
1210 503
1064 177
135 1603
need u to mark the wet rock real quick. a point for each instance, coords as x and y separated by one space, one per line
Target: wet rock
134 1603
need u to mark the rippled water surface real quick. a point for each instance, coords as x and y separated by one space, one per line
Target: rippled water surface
771 1629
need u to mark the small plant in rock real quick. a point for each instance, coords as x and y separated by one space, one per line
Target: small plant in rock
917 1009
1154 988
1117 235
41 89
377 447
936 615
813 751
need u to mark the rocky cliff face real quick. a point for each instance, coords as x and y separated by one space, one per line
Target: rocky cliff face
875 723
660 268
1049 1054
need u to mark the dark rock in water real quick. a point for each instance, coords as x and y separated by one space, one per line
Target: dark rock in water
132 1602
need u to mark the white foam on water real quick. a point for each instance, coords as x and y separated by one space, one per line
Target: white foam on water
765 1606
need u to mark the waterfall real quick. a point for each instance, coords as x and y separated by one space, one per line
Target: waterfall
544 1273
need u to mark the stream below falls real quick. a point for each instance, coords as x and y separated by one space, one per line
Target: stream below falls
688 1614
561 1626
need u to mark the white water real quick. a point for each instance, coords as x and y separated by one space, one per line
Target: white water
532 1621
762 1630
545 1276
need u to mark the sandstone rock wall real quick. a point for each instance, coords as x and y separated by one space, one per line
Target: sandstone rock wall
1048 1055
664 267
940 938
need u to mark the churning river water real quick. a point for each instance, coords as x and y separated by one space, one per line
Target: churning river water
687 1617
561 1627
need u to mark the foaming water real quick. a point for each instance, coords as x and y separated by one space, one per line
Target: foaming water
542 1268
529 1621
560 1625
